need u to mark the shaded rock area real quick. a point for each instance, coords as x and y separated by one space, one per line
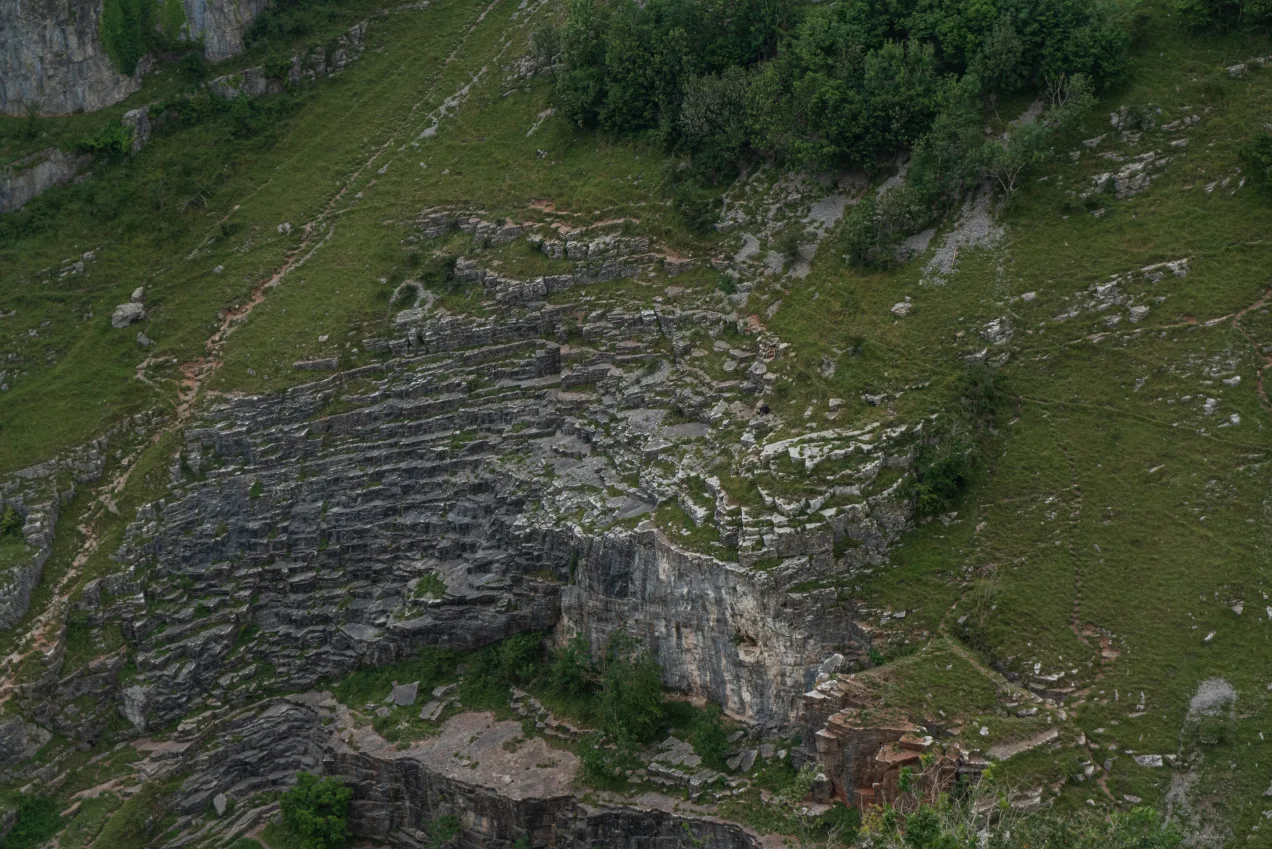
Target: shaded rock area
498 784
32 175
52 59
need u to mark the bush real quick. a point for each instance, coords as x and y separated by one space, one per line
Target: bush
316 811
128 31
112 141
605 765
1225 14
1257 156
37 821
11 523
546 44
570 674
944 470
709 737
495 669
872 232
631 694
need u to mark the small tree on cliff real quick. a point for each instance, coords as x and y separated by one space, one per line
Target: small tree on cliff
316 811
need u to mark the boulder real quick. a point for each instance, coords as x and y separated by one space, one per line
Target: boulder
126 314
404 694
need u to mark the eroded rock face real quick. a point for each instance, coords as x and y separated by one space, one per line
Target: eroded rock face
497 784
717 629
221 24
52 59
23 180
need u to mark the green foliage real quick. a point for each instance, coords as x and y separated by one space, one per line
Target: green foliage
712 123
1139 828
1226 14
11 522
430 666
1257 156
245 843
546 44
709 738
172 20
128 31
631 691
316 811
570 672
494 669
112 141
872 232
605 764
286 20
442 831
947 465
37 821
256 490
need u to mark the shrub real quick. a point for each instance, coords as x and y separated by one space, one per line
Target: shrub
1257 156
872 233
546 44
944 470
605 765
37 821
112 141
709 737
1225 14
128 31
570 673
11 523
631 695
316 811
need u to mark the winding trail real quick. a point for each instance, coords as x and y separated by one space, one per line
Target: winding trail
45 633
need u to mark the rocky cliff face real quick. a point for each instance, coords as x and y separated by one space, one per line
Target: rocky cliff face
486 776
52 58
32 175
500 476
220 24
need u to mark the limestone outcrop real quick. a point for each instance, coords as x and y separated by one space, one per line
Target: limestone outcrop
53 58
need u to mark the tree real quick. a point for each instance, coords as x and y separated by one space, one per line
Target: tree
999 64
11 523
1257 155
316 811
631 692
1006 161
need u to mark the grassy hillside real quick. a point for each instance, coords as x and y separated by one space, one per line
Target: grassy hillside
1118 536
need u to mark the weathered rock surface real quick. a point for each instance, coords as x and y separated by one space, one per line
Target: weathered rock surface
52 59
498 785
220 24
30 176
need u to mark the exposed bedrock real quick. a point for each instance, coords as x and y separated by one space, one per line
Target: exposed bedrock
497 785
717 629
53 60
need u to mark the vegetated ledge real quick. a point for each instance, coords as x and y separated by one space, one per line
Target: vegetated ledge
29 177
498 784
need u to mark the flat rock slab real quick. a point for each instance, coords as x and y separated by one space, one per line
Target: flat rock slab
471 749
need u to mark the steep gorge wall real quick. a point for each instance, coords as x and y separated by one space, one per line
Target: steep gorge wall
53 59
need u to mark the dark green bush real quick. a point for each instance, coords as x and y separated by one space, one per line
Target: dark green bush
37 821
1226 14
316 811
112 141
1257 156
709 737
11 523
